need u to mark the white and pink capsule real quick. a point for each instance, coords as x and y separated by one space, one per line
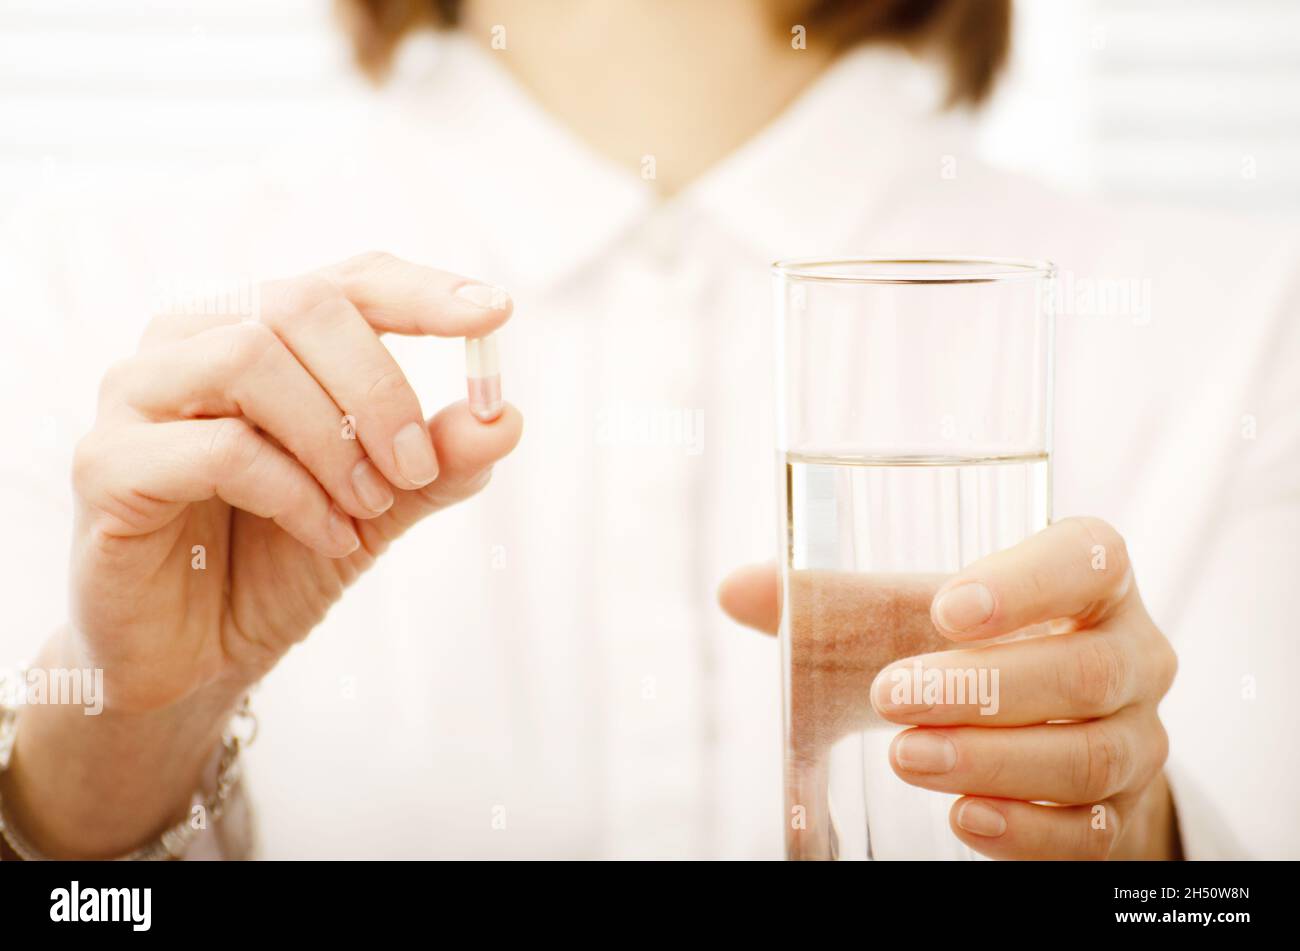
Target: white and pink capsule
483 377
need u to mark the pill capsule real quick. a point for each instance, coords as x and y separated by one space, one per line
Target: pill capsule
483 377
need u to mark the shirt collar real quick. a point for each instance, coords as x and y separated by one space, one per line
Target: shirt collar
806 184
551 204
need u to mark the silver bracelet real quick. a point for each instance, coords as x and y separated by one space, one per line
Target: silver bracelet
174 842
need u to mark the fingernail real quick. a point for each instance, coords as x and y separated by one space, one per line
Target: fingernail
342 532
371 488
483 377
963 607
925 752
414 455
484 295
981 819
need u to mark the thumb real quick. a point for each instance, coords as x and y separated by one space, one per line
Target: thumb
752 596
467 449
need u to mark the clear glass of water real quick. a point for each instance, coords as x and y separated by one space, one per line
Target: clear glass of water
914 436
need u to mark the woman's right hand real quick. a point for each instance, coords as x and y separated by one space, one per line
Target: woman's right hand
240 474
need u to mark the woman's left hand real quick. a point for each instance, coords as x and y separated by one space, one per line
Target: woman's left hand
1067 763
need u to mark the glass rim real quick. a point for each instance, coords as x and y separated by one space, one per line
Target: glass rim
946 270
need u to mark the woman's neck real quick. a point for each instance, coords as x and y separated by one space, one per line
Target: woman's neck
666 87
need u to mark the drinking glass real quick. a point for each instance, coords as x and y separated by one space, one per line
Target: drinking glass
914 436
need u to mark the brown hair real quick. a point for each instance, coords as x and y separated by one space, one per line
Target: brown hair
971 36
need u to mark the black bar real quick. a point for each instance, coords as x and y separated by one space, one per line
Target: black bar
928 901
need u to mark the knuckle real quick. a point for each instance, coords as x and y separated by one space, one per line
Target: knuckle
294 300
1103 763
371 261
1096 532
86 458
1166 664
390 387
1097 681
160 326
1159 748
234 446
114 381
244 345
1099 839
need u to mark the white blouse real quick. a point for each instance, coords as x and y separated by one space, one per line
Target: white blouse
544 671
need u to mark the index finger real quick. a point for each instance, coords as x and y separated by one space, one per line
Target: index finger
396 296
1076 569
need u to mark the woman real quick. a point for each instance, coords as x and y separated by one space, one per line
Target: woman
543 671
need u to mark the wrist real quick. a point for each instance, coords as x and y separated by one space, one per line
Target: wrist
90 783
